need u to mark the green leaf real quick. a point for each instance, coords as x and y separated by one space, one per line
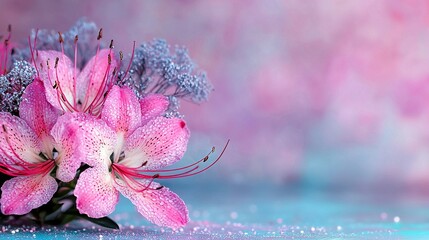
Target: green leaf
62 191
66 218
56 200
104 222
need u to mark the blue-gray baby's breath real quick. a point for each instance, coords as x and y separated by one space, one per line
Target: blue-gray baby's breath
156 69
13 84
87 43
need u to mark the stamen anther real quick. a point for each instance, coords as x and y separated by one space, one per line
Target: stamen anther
56 62
100 34
60 37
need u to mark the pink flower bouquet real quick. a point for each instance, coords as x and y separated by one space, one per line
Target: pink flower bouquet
80 124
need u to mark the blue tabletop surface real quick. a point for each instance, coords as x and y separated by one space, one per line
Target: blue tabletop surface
235 211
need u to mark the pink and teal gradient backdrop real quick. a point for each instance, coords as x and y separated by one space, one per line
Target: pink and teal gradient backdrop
326 93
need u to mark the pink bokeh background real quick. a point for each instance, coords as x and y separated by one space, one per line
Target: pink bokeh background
325 93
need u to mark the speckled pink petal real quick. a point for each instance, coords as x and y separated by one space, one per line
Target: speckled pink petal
66 73
22 194
161 207
161 142
38 113
93 78
121 110
68 160
81 138
152 106
17 139
95 193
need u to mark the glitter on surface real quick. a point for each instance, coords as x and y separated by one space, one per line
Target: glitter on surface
280 214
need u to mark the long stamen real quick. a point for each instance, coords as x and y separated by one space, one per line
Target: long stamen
187 174
34 49
4 65
132 182
33 60
61 40
204 159
43 168
20 167
76 38
20 162
132 174
8 169
54 85
131 60
15 154
6 45
62 95
86 99
1 62
98 104
103 84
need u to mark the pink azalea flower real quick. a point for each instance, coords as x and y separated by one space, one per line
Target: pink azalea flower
29 153
72 90
124 149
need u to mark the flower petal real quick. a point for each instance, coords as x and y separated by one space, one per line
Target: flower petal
161 207
18 142
161 142
81 138
63 74
121 110
38 113
152 106
22 194
96 196
64 133
92 81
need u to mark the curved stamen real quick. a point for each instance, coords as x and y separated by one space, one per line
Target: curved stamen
62 95
76 38
130 175
32 49
6 137
130 181
43 168
6 45
188 174
20 162
62 98
102 87
204 159
86 99
103 84
131 60
54 85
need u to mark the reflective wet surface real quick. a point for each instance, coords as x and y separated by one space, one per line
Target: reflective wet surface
240 211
